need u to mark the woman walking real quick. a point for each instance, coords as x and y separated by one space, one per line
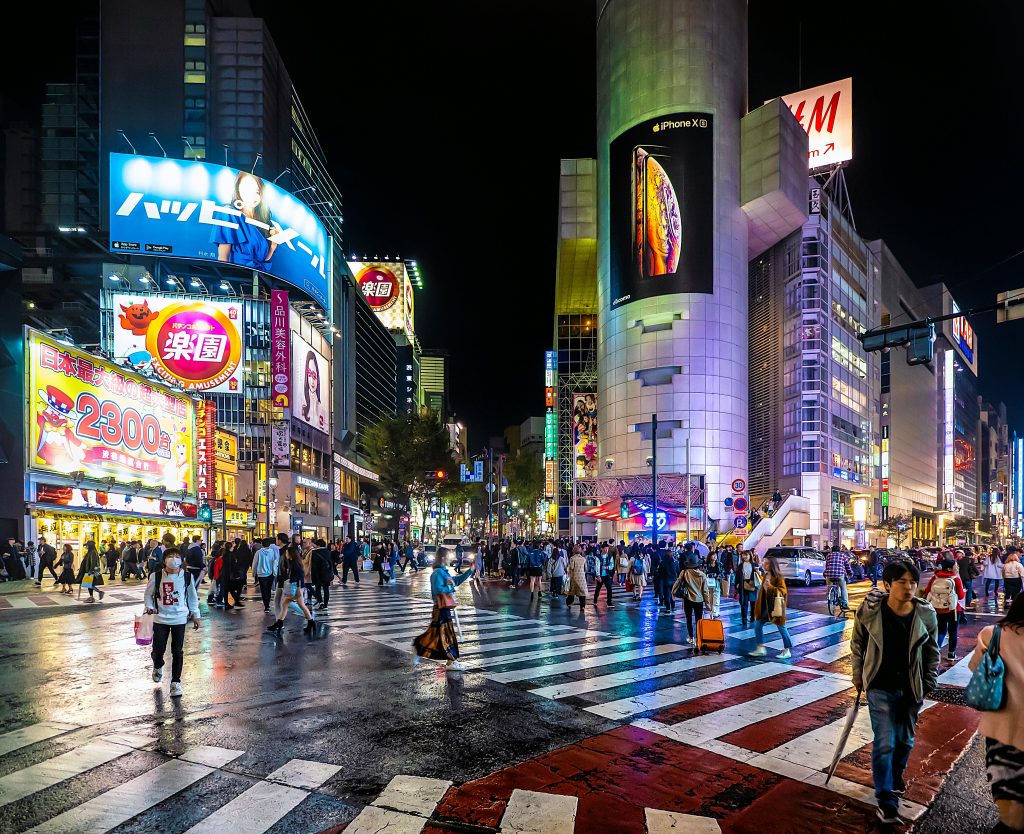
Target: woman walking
1013 575
770 607
577 579
67 570
90 567
1004 728
292 578
555 569
621 566
748 583
993 571
439 641
637 576
692 586
380 565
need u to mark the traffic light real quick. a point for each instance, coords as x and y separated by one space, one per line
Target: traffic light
624 509
436 476
205 513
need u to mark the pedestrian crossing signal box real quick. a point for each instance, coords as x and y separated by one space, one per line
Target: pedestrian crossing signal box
205 514
624 509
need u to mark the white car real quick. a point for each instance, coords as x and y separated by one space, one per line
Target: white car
453 540
803 564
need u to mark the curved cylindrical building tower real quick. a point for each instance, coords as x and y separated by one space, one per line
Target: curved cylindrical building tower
672 251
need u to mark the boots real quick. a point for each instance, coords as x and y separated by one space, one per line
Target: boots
276 627
310 625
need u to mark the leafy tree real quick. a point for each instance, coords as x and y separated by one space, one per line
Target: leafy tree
897 526
403 449
525 476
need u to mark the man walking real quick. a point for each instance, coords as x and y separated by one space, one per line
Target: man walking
606 566
349 561
47 558
837 572
195 560
265 565
889 629
968 565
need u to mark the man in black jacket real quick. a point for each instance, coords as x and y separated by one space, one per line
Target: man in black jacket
350 552
321 573
47 558
195 560
968 566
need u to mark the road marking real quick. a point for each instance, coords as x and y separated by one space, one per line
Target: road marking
265 803
29 780
644 673
810 636
533 641
530 812
120 804
832 653
32 734
531 672
694 731
210 756
519 657
402 808
746 634
383 626
670 696
672 822
959 674
485 629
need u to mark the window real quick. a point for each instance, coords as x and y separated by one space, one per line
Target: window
193 77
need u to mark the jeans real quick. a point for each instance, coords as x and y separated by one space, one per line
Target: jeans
694 612
556 585
177 635
787 641
844 596
893 716
664 586
948 624
968 592
606 583
323 593
345 568
266 586
747 604
994 586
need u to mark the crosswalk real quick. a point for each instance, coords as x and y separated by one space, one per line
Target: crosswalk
46 599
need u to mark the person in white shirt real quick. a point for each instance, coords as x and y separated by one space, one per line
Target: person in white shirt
171 597
264 565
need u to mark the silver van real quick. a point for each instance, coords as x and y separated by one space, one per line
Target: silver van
799 564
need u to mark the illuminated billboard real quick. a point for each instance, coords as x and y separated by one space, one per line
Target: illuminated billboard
195 344
584 434
388 290
89 415
959 333
311 385
661 203
826 113
192 209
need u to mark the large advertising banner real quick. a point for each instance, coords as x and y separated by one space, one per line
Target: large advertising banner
584 434
94 499
388 290
311 385
661 201
826 113
206 439
90 415
193 209
280 350
195 344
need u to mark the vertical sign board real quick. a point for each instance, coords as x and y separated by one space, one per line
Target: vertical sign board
280 349
280 446
206 431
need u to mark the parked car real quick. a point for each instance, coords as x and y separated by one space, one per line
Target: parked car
804 564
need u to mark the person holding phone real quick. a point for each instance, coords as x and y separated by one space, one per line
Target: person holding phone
440 641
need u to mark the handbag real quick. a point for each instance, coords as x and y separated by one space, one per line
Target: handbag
986 690
143 629
779 606
86 580
446 600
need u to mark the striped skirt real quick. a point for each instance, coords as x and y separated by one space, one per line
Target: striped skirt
439 641
1005 766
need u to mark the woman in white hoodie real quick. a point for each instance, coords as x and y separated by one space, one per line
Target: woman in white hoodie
171 598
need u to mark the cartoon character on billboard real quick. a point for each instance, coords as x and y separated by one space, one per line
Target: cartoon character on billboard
249 244
137 317
178 470
58 446
313 410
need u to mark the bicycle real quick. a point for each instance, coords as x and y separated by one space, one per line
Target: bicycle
835 601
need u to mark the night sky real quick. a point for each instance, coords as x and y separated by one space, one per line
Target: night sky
443 124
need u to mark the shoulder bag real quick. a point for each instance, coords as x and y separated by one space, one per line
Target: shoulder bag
446 600
986 691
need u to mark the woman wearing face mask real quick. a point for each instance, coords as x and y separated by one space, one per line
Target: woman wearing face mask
171 598
249 244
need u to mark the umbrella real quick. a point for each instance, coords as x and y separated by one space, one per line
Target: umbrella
701 548
847 728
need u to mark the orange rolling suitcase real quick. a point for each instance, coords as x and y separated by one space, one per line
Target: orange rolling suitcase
710 636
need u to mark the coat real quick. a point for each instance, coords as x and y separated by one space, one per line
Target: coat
765 602
577 574
91 564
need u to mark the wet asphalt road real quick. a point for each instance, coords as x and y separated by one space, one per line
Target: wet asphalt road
332 697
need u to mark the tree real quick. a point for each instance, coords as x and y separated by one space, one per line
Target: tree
897 526
525 476
404 449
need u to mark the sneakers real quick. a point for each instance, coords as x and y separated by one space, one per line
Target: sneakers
888 816
899 787
952 656
158 675
760 651
176 690
785 654
455 666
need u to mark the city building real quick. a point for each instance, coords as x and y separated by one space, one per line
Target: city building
814 421
994 471
909 403
217 93
435 382
690 188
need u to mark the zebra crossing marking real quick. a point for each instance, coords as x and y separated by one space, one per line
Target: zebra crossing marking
46 774
267 802
673 822
959 674
118 805
532 812
32 734
531 672
403 807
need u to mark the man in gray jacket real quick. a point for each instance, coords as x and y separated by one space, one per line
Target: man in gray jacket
895 660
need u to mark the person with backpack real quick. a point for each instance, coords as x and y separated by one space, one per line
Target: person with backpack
534 569
47 559
692 585
621 566
349 561
943 592
555 569
637 576
172 600
292 577
265 568
895 660
1003 728
195 560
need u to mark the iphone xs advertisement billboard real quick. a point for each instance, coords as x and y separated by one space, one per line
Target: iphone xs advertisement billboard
662 201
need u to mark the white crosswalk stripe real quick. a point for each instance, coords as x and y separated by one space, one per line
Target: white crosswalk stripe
25 736
30 780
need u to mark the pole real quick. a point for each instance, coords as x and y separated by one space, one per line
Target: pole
574 509
490 497
224 518
688 489
266 493
501 481
654 478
